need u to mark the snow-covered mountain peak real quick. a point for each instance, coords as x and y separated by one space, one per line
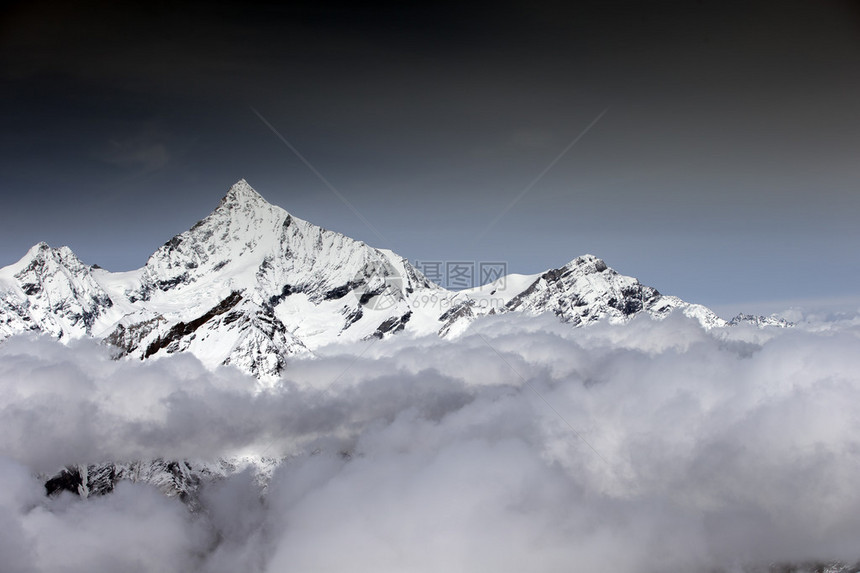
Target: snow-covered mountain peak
36 249
240 233
587 264
248 243
243 196
42 254
246 212
50 290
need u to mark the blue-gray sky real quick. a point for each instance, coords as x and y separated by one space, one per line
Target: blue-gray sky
725 170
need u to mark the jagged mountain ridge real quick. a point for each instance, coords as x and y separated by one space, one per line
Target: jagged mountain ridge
248 285
251 285
181 479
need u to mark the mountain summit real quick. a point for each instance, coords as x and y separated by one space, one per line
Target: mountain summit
242 193
251 285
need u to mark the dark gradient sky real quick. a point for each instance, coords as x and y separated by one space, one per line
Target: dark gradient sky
725 170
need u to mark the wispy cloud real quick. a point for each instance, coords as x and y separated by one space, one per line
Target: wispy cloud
141 153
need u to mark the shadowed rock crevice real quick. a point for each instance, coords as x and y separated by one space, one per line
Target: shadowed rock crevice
128 338
341 291
174 478
183 329
392 325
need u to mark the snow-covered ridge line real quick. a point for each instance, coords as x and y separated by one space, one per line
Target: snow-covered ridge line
251 285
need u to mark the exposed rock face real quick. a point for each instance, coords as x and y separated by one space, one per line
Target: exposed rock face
181 479
173 337
392 325
585 290
171 477
50 290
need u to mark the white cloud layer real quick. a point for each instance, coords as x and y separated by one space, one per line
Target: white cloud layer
524 446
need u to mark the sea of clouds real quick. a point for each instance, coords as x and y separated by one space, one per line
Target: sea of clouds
525 445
